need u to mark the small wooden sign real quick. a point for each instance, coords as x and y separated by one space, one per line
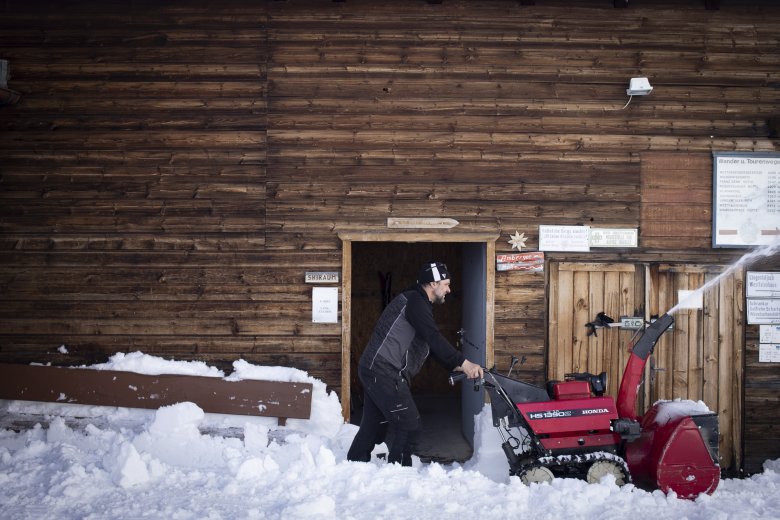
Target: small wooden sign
421 223
529 262
322 277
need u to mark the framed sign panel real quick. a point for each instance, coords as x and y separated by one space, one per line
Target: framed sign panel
746 199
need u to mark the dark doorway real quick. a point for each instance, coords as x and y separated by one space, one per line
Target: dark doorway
381 270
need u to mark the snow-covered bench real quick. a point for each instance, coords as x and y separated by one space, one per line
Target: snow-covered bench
283 400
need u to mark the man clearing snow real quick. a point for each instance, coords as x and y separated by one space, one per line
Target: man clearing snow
399 344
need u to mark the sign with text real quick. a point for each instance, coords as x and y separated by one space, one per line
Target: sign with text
769 344
746 199
322 277
325 305
564 238
613 237
769 334
768 353
762 285
763 311
529 262
632 322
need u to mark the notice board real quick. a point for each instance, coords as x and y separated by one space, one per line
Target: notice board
746 199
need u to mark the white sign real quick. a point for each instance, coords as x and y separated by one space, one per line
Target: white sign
746 205
322 277
763 311
631 323
325 305
770 334
768 353
613 237
762 285
564 238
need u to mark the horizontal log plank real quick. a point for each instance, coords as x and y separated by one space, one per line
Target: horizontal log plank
293 108
544 85
451 208
170 347
394 190
164 259
438 170
535 123
152 159
692 212
248 242
187 310
676 195
134 140
162 326
127 389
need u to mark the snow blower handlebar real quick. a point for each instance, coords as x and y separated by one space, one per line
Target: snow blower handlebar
457 377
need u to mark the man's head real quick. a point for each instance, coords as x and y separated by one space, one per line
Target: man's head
435 281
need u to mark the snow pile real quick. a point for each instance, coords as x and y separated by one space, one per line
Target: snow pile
672 410
325 416
141 363
159 464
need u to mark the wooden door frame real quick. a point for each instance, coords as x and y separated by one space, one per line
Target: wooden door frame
347 237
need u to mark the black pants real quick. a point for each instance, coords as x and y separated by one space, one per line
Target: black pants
388 408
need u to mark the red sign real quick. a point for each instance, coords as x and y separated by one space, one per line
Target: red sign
533 262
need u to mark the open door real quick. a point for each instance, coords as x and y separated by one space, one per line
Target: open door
369 261
473 333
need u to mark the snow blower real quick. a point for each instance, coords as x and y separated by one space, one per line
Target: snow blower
571 429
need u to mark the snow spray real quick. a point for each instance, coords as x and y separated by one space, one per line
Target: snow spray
747 259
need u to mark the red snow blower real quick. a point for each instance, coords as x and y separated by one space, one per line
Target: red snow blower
571 429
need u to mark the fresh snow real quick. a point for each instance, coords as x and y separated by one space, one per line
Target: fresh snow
671 410
178 463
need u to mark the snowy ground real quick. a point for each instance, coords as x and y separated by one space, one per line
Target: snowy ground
129 464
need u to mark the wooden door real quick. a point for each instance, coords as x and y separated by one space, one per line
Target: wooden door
701 359
578 292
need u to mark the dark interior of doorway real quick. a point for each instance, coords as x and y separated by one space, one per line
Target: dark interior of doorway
380 271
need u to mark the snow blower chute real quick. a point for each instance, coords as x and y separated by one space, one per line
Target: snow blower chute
675 451
571 429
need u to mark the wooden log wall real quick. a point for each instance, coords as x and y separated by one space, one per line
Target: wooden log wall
173 168
134 186
762 394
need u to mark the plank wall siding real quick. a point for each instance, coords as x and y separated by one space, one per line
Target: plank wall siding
172 169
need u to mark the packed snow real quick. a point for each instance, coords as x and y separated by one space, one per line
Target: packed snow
177 463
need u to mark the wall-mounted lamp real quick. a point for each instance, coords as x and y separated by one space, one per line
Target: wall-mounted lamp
638 87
